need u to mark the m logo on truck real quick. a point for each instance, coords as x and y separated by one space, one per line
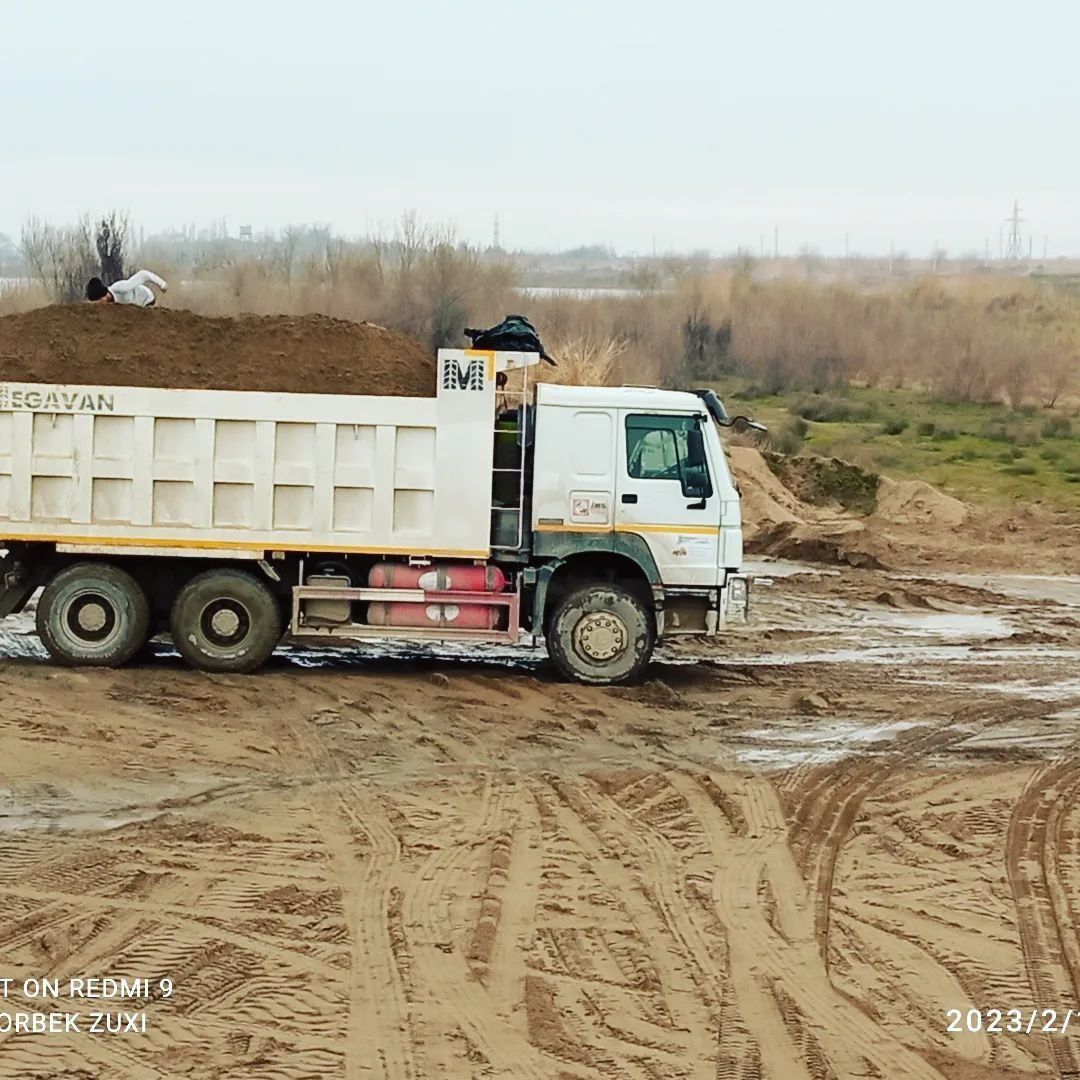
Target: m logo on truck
463 374
14 399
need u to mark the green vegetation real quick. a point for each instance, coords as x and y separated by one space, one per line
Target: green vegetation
828 480
977 452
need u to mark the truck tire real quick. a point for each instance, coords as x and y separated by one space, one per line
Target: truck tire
226 621
93 614
601 635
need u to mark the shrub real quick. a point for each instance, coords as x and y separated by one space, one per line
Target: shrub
831 410
926 428
1021 468
943 434
786 440
997 431
895 425
1057 427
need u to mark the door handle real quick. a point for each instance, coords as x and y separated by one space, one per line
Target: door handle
629 498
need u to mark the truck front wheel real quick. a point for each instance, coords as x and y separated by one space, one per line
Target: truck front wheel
93 614
226 621
601 634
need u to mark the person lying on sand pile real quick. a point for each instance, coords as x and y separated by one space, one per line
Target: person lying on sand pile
133 290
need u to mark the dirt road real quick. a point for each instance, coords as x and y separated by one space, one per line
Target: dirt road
790 856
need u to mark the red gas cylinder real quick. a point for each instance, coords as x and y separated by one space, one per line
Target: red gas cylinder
458 616
439 577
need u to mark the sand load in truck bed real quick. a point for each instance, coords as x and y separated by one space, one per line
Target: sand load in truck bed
107 344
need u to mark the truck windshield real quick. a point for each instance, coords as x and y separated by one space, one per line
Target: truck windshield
659 448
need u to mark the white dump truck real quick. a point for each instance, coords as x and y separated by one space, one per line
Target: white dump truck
598 520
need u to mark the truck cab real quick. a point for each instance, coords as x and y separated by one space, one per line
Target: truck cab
632 483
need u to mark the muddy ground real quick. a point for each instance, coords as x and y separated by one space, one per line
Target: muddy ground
786 856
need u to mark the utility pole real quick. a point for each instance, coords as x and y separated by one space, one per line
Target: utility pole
495 234
776 242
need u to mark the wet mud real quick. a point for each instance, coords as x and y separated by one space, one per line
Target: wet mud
787 853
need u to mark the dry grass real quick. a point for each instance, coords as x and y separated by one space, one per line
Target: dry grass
962 339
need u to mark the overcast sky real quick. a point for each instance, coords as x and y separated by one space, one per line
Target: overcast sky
676 125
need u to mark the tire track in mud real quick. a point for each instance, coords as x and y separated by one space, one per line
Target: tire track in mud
826 808
482 1019
672 879
776 961
596 826
507 918
377 999
1038 832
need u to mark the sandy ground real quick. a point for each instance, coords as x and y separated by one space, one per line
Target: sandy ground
785 856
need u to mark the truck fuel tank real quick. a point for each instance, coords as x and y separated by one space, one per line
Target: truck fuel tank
456 616
438 577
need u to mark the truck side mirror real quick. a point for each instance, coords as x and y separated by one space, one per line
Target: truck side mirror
696 474
695 449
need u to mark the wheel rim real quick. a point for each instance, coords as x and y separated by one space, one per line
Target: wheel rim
90 618
225 622
601 636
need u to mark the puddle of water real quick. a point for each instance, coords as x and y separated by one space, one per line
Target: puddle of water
51 808
890 654
815 744
1049 689
941 624
765 567
1062 589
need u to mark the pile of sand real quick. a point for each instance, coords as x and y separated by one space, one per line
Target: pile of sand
766 502
914 502
114 345
778 522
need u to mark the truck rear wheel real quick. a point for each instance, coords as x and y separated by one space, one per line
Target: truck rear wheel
601 634
93 614
226 620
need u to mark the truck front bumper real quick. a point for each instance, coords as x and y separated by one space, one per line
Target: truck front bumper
691 611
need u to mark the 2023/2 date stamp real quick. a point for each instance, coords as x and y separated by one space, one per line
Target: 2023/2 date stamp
1011 1021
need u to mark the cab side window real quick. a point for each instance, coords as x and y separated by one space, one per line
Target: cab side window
657 448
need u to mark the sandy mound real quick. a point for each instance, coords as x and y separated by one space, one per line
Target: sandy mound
853 546
765 500
108 344
914 502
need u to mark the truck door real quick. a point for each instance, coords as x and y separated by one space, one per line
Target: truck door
665 493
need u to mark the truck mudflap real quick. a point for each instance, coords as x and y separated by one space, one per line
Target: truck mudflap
16 585
735 599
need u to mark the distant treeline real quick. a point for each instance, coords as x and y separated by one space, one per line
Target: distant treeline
960 337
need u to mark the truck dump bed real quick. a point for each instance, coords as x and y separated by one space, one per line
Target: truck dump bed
107 468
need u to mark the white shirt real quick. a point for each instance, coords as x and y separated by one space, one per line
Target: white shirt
134 289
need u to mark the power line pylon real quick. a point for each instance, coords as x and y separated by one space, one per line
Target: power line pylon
1015 251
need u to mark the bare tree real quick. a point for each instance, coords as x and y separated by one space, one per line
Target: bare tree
111 242
62 259
450 272
282 251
